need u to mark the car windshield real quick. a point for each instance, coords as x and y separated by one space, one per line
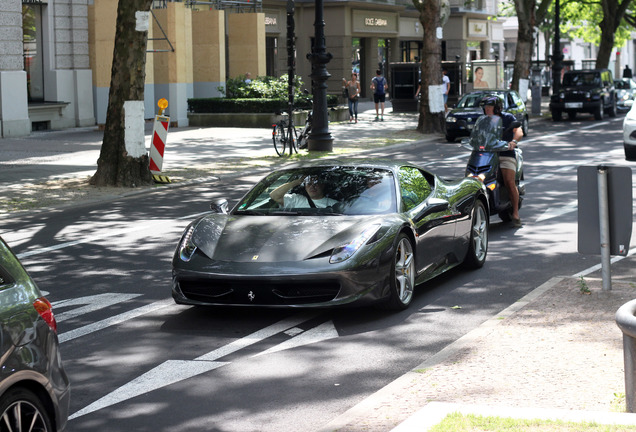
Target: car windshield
329 190
587 79
472 100
623 85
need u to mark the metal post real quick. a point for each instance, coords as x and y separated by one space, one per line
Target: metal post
291 61
626 321
319 139
603 213
557 55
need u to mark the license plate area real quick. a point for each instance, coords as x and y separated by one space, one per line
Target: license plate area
574 104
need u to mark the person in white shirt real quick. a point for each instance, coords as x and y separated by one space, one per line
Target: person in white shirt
314 187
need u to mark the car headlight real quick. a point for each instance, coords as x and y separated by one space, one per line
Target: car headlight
587 95
450 119
187 248
562 95
345 251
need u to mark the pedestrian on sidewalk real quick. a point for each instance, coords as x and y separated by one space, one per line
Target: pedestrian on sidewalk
379 85
353 91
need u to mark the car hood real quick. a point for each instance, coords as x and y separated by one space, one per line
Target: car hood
466 112
274 238
580 89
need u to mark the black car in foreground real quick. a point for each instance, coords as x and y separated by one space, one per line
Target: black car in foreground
585 91
34 388
331 234
461 119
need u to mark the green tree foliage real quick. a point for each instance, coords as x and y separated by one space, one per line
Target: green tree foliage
265 87
583 20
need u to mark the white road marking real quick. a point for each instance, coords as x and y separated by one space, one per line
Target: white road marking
93 303
317 334
117 319
173 371
553 212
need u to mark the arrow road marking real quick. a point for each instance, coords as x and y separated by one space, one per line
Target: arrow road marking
173 371
318 334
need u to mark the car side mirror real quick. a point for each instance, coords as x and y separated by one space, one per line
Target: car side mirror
219 205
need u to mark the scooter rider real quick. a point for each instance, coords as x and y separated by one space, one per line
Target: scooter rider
511 133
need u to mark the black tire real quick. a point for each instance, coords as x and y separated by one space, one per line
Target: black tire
22 409
279 138
572 115
478 243
599 112
450 138
525 126
505 216
612 109
556 115
630 152
402 276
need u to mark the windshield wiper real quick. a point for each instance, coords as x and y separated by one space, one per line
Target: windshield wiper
252 213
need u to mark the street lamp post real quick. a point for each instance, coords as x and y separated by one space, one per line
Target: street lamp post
319 139
557 55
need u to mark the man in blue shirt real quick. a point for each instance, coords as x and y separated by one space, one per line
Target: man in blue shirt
511 133
379 85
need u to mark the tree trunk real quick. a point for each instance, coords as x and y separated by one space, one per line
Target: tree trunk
613 13
525 40
431 65
115 167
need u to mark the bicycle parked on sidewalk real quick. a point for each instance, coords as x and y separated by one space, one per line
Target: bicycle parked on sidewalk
286 137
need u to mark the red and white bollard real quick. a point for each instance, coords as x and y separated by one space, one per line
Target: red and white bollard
158 143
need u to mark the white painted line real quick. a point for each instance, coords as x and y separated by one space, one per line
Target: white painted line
317 334
93 303
173 371
117 319
559 211
167 373
258 336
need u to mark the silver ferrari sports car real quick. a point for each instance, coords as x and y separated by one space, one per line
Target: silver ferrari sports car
331 234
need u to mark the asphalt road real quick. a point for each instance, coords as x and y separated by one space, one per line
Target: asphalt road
139 362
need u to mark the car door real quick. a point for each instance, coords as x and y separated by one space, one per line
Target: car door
422 200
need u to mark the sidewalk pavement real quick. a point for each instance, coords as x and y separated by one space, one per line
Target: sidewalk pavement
556 353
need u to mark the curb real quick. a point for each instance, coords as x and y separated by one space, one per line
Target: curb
397 387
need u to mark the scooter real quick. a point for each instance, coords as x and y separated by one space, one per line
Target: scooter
483 164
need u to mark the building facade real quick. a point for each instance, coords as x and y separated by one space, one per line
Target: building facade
57 54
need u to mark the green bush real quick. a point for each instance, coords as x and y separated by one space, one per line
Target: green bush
263 95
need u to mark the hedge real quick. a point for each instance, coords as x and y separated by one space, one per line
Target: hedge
225 105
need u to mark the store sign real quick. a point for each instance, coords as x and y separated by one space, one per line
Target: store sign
376 22
385 23
36 2
477 28
271 21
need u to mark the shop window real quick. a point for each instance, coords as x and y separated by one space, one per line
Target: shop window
411 51
271 55
32 49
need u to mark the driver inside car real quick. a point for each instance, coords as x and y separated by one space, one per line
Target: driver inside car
314 196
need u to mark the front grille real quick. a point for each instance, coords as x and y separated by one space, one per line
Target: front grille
476 170
258 292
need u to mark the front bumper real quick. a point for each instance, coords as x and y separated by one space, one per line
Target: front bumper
575 106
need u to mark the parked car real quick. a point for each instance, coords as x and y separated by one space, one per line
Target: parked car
625 93
380 228
585 91
461 119
34 388
629 134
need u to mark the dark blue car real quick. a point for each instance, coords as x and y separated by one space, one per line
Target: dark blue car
461 119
